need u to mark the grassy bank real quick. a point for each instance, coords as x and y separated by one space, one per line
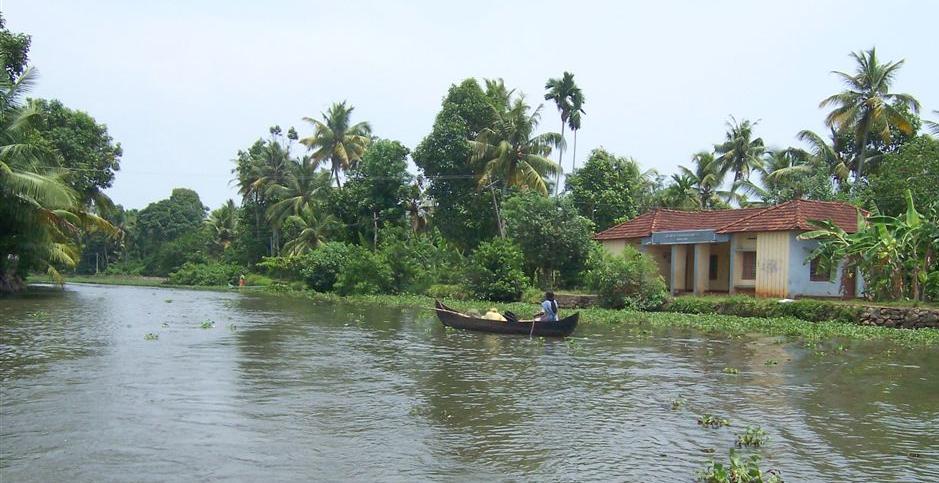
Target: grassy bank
134 280
727 325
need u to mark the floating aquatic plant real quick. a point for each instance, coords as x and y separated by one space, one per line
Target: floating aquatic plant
677 404
169 301
208 324
752 436
151 336
771 362
731 370
738 470
712 421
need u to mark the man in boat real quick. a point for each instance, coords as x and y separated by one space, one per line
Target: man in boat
549 308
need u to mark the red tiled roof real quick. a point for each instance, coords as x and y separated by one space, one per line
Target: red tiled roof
795 215
661 219
792 215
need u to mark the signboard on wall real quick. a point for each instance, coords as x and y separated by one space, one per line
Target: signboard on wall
685 237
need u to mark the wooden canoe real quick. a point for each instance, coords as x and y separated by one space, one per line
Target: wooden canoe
457 320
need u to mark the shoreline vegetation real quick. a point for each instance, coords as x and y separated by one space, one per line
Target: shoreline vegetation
710 323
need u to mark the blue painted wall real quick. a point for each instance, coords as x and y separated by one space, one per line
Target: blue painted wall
799 279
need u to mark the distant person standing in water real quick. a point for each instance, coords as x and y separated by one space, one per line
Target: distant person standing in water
242 281
549 308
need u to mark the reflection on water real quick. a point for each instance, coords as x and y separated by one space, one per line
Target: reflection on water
287 389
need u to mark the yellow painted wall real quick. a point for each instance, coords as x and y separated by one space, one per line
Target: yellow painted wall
772 264
679 267
616 246
660 254
722 250
702 255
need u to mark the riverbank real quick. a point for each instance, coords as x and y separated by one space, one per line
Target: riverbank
718 324
132 280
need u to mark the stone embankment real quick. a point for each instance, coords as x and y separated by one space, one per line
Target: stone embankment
900 317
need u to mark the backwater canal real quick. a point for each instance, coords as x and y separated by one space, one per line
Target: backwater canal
288 389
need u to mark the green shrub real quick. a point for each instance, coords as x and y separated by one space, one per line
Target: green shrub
418 261
206 274
364 273
285 268
745 306
258 280
442 291
321 267
629 280
495 271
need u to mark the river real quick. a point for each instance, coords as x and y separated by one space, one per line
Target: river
287 389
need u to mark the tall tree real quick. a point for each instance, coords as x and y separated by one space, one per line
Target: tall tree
511 154
463 214
740 153
83 148
40 215
336 139
608 188
565 94
707 178
574 123
681 194
223 223
14 48
867 107
830 156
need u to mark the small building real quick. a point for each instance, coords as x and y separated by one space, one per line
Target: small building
746 250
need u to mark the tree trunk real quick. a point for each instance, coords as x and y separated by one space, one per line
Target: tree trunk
336 175
574 153
495 206
557 185
375 230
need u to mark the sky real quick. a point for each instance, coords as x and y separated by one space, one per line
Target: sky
183 85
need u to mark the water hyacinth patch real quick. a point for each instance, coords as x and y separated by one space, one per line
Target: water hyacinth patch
738 470
712 421
151 336
753 436
677 404
731 370
208 324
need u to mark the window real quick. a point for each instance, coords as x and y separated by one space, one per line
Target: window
749 266
816 274
712 268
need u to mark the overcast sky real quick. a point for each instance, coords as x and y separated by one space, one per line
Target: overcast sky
183 85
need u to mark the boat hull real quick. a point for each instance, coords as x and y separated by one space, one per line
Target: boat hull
457 320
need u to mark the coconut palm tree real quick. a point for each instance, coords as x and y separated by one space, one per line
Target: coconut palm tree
867 107
740 153
337 140
39 214
933 126
315 226
302 184
223 223
511 155
565 94
681 194
707 178
829 156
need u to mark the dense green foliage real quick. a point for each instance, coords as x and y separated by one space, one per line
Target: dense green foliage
554 238
628 280
494 271
738 470
898 256
207 274
610 188
915 167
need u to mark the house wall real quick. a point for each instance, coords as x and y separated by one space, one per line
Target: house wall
662 255
616 246
679 275
722 250
772 263
800 283
743 242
